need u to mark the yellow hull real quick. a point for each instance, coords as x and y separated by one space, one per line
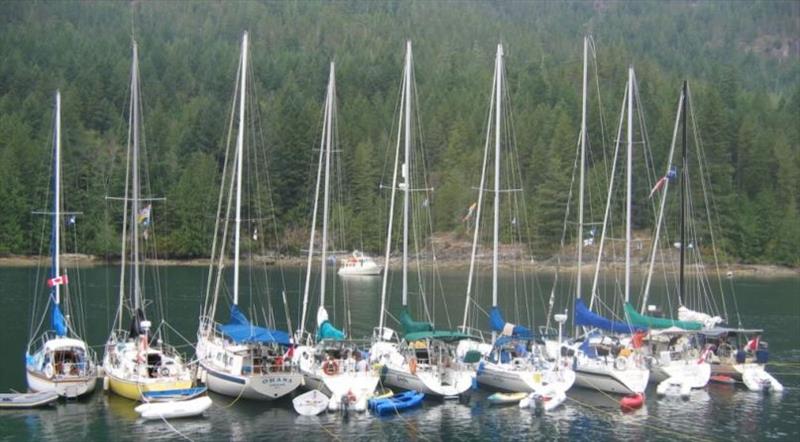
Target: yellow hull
133 390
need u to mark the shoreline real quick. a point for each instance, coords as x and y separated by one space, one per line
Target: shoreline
80 260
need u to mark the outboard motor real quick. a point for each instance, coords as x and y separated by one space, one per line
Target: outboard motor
538 405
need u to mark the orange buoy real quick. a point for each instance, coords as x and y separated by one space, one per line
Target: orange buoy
632 402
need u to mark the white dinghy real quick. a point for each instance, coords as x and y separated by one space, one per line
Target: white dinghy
310 403
675 386
27 400
174 409
757 379
544 402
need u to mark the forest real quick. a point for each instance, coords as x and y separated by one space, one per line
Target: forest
741 59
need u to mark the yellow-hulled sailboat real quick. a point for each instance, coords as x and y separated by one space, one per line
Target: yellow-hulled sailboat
138 360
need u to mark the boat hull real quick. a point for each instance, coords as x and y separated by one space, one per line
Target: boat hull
428 382
133 390
261 387
695 374
174 409
67 386
528 380
603 377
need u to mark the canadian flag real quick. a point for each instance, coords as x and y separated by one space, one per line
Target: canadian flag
58 280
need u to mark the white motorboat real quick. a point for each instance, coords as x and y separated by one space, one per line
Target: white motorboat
359 264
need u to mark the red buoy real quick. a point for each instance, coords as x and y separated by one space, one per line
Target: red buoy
632 402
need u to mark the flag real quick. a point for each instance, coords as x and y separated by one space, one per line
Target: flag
58 280
143 217
255 235
470 212
670 176
752 345
71 220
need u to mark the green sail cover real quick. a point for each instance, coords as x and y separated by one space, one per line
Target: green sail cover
640 320
412 326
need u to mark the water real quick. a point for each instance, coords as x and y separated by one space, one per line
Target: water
718 413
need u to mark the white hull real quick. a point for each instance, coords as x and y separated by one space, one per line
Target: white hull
267 386
452 382
507 377
310 403
174 409
66 386
757 379
674 387
696 375
360 271
598 375
355 387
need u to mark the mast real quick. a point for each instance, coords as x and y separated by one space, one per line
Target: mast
497 129
57 202
628 188
405 170
385 281
137 294
684 177
326 200
239 154
583 165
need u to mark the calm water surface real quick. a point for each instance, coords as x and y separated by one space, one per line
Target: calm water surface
718 413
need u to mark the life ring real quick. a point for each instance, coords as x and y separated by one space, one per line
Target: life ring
412 365
330 368
163 371
620 364
49 371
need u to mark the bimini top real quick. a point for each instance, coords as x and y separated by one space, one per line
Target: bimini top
64 343
241 331
584 316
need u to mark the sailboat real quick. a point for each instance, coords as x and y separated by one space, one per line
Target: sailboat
670 345
608 362
516 363
240 358
59 361
138 360
329 362
423 359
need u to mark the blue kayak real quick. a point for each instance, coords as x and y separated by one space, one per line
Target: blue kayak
397 403
173 395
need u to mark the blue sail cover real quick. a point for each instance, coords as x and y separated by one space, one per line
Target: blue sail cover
241 331
585 317
58 322
498 324
328 331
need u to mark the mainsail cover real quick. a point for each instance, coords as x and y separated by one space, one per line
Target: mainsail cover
659 323
412 326
58 322
241 331
585 317
506 328
708 321
326 330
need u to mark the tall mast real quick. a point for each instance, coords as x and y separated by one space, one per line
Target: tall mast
583 165
57 201
684 177
403 92
406 170
137 294
326 201
239 154
497 130
628 187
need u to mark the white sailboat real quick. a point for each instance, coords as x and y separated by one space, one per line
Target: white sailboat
240 358
138 360
424 359
329 362
59 361
670 345
613 362
516 363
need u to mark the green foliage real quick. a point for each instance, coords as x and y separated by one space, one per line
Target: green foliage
745 88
